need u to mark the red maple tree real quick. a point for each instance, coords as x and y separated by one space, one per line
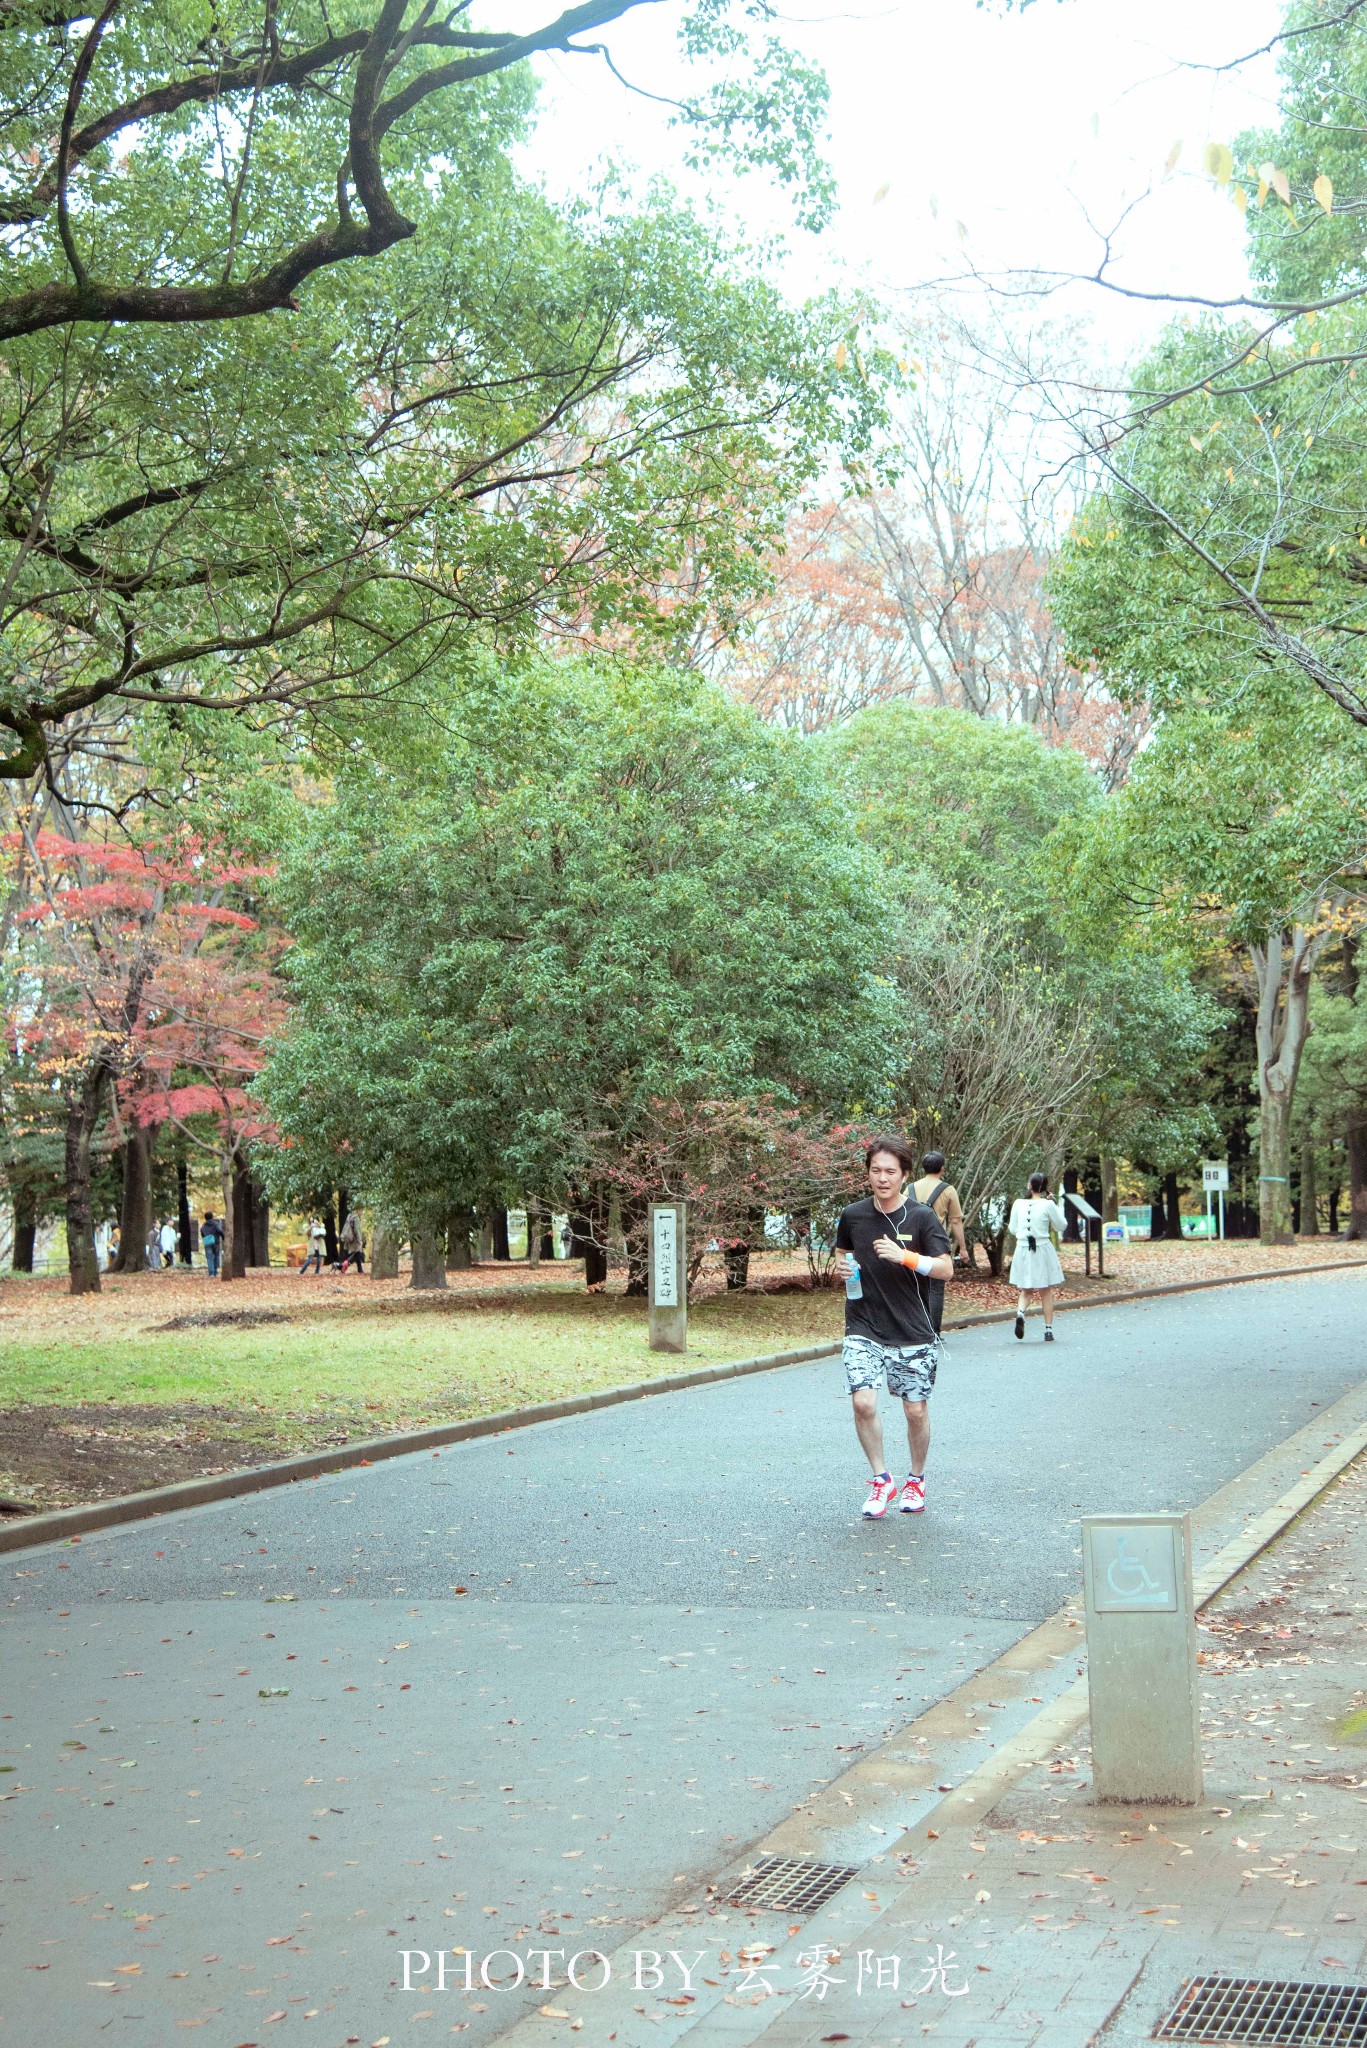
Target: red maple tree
138 978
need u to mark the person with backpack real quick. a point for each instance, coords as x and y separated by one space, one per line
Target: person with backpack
935 1192
1036 1267
351 1244
211 1237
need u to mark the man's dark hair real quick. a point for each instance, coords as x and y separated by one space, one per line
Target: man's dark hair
1038 1183
933 1162
899 1149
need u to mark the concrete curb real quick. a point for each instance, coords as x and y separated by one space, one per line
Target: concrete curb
65 1523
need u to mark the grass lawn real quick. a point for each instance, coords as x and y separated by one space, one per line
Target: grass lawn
446 1362
96 1400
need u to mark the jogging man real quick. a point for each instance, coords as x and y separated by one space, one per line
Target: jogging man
885 1244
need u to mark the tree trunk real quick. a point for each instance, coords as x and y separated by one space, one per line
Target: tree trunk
595 1243
1282 968
25 1228
329 1216
429 1265
1110 1199
1172 1203
633 1220
261 1226
1274 1169
236 1267
458 1253
182 1212
486 1238
1310 1196
1355 1145
227 1250
533 1233
384 1251
499 1221
548 1250
82 1118
135 1208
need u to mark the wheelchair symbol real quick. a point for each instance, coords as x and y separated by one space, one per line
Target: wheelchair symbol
1130 1580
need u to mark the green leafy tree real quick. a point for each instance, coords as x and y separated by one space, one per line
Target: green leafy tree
1040 1037
1241 828
609 889
174 164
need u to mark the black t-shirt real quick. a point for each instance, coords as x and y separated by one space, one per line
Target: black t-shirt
892 1309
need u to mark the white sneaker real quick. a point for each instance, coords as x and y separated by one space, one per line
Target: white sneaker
882 1494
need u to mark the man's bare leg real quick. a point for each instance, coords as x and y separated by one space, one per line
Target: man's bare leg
868 1426
918 1433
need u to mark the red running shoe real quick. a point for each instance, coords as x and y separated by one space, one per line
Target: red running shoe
914 1495
882 1494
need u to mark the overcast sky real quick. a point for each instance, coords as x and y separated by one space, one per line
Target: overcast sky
996 136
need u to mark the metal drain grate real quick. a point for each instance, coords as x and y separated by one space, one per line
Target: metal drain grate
790 1884
1280 2015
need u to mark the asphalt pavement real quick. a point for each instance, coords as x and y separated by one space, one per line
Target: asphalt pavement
542 1685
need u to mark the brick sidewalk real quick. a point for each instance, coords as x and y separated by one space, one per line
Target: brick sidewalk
1058 1922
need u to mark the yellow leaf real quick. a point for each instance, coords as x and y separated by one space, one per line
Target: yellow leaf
1240 198
1262 192
553 2012
1219 162
882 192
1323 189
1173 154
1280 184
842 355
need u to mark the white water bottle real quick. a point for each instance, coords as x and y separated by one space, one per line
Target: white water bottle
854 1283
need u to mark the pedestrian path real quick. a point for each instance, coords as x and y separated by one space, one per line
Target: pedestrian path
544 1690
1050 1920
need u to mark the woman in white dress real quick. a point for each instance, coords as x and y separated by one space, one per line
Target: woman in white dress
1035 1265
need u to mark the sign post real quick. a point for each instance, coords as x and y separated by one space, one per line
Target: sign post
1089 1216
1215 1178
669 1276
1141 1658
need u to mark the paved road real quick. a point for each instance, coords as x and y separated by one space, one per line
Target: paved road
674 1626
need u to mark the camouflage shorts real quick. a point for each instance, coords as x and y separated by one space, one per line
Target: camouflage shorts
909 1369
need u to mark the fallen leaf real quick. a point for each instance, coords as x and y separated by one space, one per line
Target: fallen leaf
553 2012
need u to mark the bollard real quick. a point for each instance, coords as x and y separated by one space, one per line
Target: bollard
1141 1658
669 1276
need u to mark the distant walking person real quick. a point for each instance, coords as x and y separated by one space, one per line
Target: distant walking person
170 1238
887 1245
211 1237
1035 1265
318 1239
351 1244
936 1193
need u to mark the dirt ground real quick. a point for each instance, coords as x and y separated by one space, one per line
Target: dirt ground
54 1454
